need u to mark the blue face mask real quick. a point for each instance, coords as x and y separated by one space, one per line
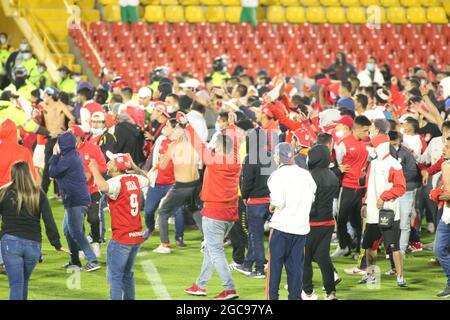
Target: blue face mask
370 66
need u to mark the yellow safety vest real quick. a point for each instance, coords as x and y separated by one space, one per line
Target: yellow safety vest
67 85
8 110
24 91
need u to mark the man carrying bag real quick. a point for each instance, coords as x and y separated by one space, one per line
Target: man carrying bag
385 185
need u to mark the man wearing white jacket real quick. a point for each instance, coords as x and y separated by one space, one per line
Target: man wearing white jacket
385 184
292 191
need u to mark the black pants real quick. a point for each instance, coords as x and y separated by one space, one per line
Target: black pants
426 207
317 249
239 235
350 210
45 176
93 217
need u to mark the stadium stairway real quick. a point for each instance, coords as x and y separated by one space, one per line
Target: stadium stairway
51 20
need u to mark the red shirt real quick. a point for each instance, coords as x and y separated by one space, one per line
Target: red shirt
89 151
166 175
353 153
124 201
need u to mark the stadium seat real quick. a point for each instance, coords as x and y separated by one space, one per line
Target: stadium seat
396 15
231 3
275 14
195 14
189 2
174 14
356 15
295 15
350 3
233 14
154 14
290 3
310 3
215 14
210 2
389 3
368 3
416 15
111 13
336 15
430 3
330 3
168 2
436 15
410 3
315 15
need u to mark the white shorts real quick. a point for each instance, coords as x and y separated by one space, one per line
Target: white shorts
39 156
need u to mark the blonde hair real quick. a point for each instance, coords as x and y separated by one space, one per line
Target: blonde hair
23 184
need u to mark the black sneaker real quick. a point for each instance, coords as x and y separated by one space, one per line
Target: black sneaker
257 275
92 266
444 293
180 243
71 265
241 269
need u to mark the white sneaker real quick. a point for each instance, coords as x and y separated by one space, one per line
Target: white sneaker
202 247
81 255
312 296
97 249
429 246
355 271
161 249
430 227
232 266
340 252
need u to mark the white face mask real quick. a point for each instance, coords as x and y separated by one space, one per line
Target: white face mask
218 128
77 79
62 75
340 134
170 109
26 56
41 70
2 40
402 130
23 46
97 131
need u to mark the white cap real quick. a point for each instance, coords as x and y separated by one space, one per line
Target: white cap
190 83
145 92
98 115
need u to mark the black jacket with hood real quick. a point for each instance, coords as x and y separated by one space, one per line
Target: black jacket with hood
326 181
347 69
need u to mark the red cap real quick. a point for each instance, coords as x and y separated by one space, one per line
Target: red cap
119 84
379 139
121 160
303 137
77 131
346 121
162 107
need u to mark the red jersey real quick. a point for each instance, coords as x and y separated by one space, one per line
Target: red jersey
353 153
89 151
124 201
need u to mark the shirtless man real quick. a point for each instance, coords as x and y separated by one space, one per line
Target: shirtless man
187 181
54 114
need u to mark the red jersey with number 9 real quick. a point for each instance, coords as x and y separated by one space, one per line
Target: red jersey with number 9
125 212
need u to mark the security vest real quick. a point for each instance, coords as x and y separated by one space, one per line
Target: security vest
67 85
8 110
218 77
24 91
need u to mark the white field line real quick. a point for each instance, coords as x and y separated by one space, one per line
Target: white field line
154 277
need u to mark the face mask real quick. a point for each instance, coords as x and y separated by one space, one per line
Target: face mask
96 131
77 79
397 148
340 134
170 109
218 128
23 46
402 130
62 75
41 70
370 66
2 40
26 56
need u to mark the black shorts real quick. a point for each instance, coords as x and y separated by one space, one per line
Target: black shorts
373 234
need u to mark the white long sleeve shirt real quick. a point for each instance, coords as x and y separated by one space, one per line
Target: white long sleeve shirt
432 155
292 192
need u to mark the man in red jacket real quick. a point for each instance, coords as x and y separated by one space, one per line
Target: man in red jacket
351 152
220 209
88 152
12 152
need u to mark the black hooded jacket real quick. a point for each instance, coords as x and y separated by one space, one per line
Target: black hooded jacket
347 69
326 181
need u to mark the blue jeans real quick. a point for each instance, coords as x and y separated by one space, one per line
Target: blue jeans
76 239
103 205
120 260
214 232
152 201
20 257
256 217
441 244
286 250
406 208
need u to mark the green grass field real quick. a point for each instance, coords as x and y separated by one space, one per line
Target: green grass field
180 269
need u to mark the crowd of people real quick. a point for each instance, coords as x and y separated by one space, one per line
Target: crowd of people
356 158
